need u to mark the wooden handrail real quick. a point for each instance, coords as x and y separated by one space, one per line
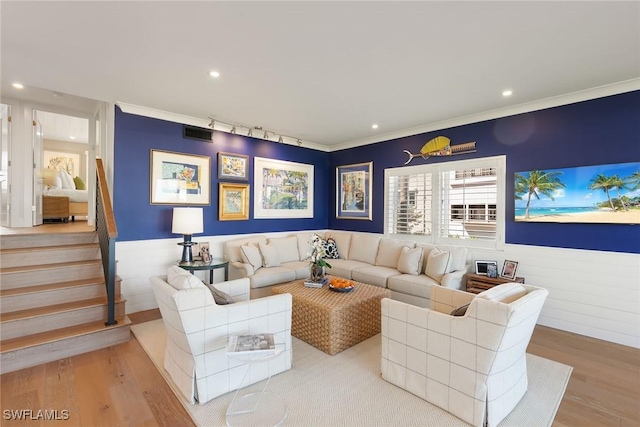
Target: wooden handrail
107 233
103 189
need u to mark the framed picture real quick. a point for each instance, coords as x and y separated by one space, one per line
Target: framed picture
509 270
233 166
179 179
482 267
204 254
492 270
282 189
234 202
354 190
585 194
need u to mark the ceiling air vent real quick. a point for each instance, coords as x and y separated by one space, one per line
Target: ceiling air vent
193 132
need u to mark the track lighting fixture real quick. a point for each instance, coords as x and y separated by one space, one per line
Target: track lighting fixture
267 134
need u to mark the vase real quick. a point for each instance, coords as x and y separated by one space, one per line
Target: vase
316 273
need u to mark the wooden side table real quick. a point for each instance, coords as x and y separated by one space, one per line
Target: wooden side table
477 283
54 207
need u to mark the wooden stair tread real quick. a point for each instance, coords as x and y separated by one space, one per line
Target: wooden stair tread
59 334
50 248
52 286
57 308
49 266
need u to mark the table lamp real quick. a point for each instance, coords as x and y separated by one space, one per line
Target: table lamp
49 178
187 221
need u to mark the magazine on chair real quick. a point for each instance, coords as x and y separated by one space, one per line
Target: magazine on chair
255 344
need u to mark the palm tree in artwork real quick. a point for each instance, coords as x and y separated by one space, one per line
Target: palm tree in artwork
535 184
620 184
604 183
634 180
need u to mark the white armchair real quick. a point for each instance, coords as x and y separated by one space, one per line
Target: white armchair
473 366
198 328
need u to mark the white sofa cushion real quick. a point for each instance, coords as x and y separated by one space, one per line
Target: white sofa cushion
419 286
270 256
389 251
232 247
437 264
287 248
344 267
409 260
364 248
180 279
272 276
251 255
343 241
374 275
304 245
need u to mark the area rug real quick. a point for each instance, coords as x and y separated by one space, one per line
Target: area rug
347 389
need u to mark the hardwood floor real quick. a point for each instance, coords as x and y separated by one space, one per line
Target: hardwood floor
121 386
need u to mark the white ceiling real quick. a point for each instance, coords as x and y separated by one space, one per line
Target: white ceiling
323 72
61 127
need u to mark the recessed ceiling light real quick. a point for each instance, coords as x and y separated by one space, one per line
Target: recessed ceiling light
507 93
18 85
214 74
374 126
72 137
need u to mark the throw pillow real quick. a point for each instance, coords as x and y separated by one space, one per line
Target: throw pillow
460 311
181 279
79 183
221 298
409 260
251 255
270 257
67 181
329 246
437 264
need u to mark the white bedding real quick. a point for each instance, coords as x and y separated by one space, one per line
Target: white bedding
73 195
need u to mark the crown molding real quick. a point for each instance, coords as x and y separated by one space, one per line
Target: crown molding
556 101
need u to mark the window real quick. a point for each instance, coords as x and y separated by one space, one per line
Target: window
446 202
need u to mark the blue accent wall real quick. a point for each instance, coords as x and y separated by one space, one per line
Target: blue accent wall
599 131
138 219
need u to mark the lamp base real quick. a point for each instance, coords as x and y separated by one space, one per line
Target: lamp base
187 254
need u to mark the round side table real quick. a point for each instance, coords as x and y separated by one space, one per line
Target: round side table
207 265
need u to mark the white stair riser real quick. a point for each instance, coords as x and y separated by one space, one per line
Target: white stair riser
50 275
49 256
36 355
53 321
11 303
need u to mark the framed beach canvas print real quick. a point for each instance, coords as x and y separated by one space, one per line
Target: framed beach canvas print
588 194
233 166
234 202
354 186
179 179
282 189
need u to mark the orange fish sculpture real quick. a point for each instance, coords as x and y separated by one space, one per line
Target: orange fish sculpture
441 146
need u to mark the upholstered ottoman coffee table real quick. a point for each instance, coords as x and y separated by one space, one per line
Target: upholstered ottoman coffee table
334 321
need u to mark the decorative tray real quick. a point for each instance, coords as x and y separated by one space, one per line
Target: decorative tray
348 289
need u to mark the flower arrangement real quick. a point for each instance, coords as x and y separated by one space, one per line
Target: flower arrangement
318 252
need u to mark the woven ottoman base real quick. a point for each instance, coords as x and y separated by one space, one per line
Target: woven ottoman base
334 321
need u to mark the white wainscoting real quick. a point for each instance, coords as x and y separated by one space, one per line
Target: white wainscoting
591 293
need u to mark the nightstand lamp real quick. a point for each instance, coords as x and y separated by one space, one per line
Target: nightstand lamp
187 221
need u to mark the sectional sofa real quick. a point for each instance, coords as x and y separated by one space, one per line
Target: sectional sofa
407 268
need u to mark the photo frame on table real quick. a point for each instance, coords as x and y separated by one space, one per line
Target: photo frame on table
482 267
204 253
282 189
233 202
233 166
354 191
179 179
509 269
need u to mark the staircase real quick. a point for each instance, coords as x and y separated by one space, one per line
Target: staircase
53 299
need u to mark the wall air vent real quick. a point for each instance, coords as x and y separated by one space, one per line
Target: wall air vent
201 134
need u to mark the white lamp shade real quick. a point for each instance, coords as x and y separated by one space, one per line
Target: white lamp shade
187 221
